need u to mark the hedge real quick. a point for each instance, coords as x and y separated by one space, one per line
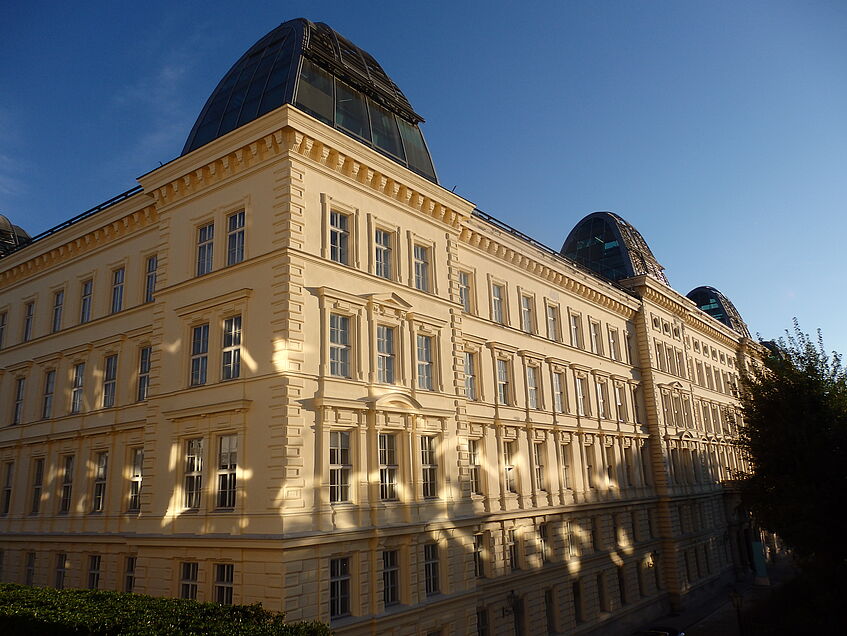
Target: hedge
37 611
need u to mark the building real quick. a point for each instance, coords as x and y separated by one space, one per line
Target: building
289 367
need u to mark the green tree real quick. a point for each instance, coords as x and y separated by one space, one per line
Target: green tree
795 434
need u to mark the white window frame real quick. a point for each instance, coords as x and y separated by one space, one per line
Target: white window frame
384 241
475 465
340 345
422 267
224 577
29 320
429 466
389 468
110 380
527 313
193 473
552 317
227 469
471 388
117 295
539 450
533 387
340 466
575 324
466 291
340 236
235 243
386 354
144 361
499 303
340 587
58 309
77 388
205 252
231 348
136 468
151 265
86 296
504 381
199 362
425 345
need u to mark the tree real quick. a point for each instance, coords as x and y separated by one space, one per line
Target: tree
795 435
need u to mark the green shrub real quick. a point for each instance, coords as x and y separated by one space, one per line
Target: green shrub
36 611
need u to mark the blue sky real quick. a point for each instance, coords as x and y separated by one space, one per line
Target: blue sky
719 129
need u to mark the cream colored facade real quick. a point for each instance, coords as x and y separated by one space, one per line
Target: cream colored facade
588 498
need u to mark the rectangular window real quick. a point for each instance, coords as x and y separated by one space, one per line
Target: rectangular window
475 463
77 387
110 375
596 339
465 291
93 571
224 574
512 550
227 465
532 388
188 580
601 400
143 372
385 354
118 290
136 456
47 396
30 568
339 587
581 401
235 238
339 237
67 484
37 484
538 450
340 466
8 472
193 472
527 317
205 248
421 264
231 348
388 467
503 381
3 318
151 265
58 306
339 345
509 468
382 254
129 574
498 298
614 344
482 627
559 392
98 498
620 403
199 354
553 322
85 301
29 317
470 376
429 466
431 582
18 407
61 570
478 560
567 478
390 577
424 351
543 543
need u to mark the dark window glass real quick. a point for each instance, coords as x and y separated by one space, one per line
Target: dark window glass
416 153
314 92
595 244
386 136
350 111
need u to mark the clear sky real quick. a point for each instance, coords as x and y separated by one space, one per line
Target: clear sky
717 128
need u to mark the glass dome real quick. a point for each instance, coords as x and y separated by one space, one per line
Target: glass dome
313 68
11 236
719 307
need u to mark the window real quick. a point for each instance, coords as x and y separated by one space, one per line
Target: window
235 241
61 570
143 372
37 484
581 401
18 408
559 392
390 577
387 466
385 354
339 587
98 499
136 456
509 468
30 568
421 267
538 450
232 348
227 464
199 354
431 582
205 248
614 344
340 466
77 387
470 376
110 374
47 397
543 543
339 346
552 322
129 574
465 291
425 362
576 330
383 254
596 339
58 305
429 466
224 574
602 593
339 237
29 317
188 580
503 381
532 400
67 484
620 403
85 301
602 400
3 318
527 317
9 471
482 628
93 571
478 560
117 290
193 472
475 462
498 297
151 265
512 550
567 479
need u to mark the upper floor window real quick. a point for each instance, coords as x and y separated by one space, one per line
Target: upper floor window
3 318
383 254
581 397
538 451
339 237
424 350
86 293
47 396
614 344
232 348
503 382
67 484
29 318
498 299
470 376
150 268
340 466
385 354
429 466
596 338
235 238
532 400
143 372
576 330
18 409
527 317
552 322
465 290
509 468
339 345
110 375
199 354
58 306
193 472
475 462
7 488
205 248
136 463
388 467
421 264
559 392
227 464
118 290
37 484
602 400
98 499
77 387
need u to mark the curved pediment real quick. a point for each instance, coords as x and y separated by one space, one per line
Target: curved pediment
395 402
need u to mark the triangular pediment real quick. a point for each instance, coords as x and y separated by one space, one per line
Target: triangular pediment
390 299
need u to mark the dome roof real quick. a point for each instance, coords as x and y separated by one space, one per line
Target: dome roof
313 68
11 236
606 244
719 307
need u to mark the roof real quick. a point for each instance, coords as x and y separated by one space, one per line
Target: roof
719 307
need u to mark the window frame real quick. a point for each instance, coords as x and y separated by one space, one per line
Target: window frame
116 295
193 460
422 266
199 354
389 465
110 380
58 310
236 243
340 587
429 466
226 471
86 297
136 478
232 333
340 462
204 252
151 266
77 388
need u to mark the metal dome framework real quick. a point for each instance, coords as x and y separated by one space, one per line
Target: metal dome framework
11 236
719 307
312 67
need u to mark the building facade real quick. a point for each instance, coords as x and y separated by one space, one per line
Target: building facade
289 367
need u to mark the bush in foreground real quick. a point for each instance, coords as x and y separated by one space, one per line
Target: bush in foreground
43 610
